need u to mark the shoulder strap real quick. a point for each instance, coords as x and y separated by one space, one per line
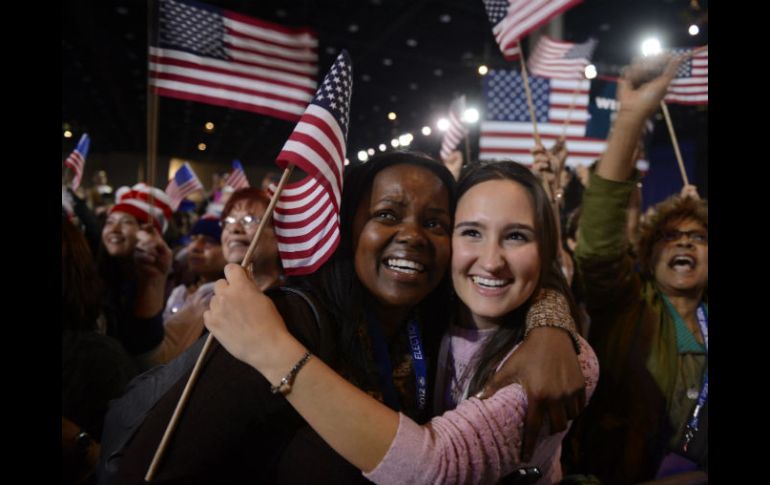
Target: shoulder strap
308 300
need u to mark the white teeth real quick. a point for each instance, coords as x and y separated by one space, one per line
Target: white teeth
689 260
232 244
495 283
405 266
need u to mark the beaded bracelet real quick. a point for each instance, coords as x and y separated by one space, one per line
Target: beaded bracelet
550 309
285 385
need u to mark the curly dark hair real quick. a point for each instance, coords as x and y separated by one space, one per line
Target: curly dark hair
666 213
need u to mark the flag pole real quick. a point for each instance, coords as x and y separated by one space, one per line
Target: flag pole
525 76
152 115
171 427
569 113
674 141
467 150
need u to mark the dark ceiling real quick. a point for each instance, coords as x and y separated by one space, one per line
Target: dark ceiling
409 56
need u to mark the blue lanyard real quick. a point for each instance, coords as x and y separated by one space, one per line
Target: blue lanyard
382 357
693 422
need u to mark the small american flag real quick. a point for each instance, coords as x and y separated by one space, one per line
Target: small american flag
506 131
513 19
77 159
307 213
561 60
456 131
184 183
216 56
237 178
691 84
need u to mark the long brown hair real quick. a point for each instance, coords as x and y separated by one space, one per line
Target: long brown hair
511 331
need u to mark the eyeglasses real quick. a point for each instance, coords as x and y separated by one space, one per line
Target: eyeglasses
246 221
696 236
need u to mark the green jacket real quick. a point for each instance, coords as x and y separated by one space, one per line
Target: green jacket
625 431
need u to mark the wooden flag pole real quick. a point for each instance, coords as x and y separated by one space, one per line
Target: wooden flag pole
152 116
569 113
467 151
525 76
209 340
674 141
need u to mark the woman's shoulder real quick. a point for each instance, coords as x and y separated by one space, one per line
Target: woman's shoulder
305 316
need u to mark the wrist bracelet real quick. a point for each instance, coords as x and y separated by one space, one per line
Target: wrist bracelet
551 309
285 385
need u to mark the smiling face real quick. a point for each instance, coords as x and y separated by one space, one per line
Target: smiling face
401 234
681 262
495 255
119 234
237 237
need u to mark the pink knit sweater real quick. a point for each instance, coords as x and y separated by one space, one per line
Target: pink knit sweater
478 442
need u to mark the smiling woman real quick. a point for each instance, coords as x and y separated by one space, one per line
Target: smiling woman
381 289
241 216
402 237
400 248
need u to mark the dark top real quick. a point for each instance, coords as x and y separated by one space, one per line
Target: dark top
95 369
233 429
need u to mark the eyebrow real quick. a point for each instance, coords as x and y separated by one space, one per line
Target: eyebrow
475 224
389 200
402 203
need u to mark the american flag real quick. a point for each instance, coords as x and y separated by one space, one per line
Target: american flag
77 159
513 19
184 183
691 84
456 130
237 178
216 56
307 214
561 60
506 130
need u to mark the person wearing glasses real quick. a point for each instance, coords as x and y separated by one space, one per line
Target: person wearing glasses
215 243
649 328
240 219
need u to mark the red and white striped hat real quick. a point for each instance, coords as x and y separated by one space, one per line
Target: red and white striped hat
136 201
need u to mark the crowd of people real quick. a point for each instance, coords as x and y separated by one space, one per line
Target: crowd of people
492 322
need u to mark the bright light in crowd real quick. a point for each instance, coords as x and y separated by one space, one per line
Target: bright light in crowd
370 151
590 71
443 124
201 146
209 125
483 70
394 143
651 47
426 130
693 30
67 134
391 116
471 115
363 156
347 162
405 140
382 147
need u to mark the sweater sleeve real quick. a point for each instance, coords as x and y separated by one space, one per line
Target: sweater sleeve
478 442
604 266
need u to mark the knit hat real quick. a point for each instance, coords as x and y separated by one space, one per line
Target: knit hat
135 201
